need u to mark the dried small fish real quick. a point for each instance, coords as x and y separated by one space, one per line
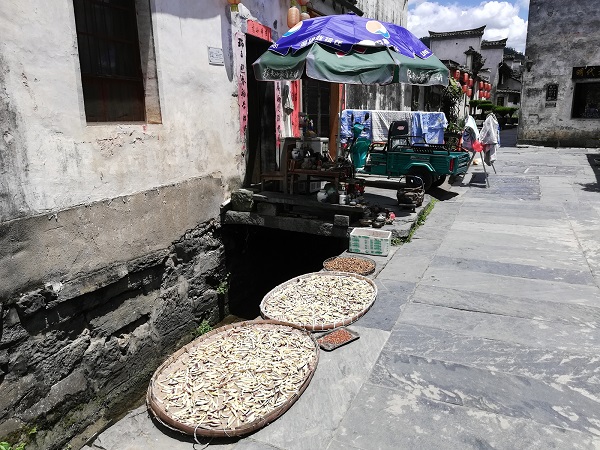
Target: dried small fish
318 300
237 376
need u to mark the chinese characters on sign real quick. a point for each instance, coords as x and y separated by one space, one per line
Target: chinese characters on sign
582 73
552 92
242 83
215 56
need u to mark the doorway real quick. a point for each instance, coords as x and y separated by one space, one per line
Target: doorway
261 114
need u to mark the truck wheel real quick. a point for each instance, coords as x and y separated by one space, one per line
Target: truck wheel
425 175
439 181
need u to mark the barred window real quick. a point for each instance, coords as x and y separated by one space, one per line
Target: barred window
109 57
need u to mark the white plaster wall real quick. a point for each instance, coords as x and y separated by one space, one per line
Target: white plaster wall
56 160
394 12
493 57
454 48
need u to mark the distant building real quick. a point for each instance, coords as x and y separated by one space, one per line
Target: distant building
460 49
561 83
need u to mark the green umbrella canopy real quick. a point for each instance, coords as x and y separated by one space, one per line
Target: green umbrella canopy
362 65
349 49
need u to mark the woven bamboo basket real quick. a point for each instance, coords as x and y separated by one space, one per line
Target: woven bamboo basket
363 258
157 410
322 325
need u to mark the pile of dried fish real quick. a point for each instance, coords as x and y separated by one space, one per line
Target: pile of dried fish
319 300
237 376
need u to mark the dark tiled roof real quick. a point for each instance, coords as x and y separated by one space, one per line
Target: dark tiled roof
451 34
494 44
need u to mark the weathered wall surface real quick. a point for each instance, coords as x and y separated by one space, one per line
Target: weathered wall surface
110 247
454 48
559 37
392 97
75 354
493 57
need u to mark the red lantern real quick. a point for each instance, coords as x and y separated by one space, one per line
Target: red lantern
470 82
464 88
465 77
234 4
293 17
481 85
456 74
303 2
489 87
469 93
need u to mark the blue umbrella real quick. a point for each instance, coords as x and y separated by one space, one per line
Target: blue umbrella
351 49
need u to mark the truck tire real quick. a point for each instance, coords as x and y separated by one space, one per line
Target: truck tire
439 181
425 175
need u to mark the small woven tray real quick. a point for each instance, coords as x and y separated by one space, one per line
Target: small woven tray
157 408
345 259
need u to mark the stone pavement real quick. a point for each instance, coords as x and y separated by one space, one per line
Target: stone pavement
485 332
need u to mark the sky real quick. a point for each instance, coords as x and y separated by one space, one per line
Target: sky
503 19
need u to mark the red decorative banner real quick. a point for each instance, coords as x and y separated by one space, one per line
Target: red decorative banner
259 30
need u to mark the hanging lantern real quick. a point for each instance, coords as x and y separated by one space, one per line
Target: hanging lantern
481 85
456 74
469 92
470 82
489 87
293 16
234 4
465 77
303 2
464 88
304 14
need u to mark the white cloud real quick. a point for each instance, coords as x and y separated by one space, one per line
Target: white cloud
500 17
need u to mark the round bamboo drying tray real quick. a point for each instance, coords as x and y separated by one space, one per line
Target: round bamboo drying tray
372 264
155 397
304 300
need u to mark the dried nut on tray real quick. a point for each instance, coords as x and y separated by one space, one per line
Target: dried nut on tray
350 264
237 376
337 337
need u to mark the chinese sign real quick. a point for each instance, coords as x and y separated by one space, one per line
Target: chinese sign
551 92
581 73
215 56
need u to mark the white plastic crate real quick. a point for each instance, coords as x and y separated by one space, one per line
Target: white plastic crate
370 242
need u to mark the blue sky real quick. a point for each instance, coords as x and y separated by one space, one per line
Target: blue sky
503 19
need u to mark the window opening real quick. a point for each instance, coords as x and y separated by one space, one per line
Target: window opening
109 57
586 101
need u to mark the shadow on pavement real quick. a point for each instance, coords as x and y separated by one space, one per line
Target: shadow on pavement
594 160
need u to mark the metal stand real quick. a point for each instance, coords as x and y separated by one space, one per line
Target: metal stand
483 164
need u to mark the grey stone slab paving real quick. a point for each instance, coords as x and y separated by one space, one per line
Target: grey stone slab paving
406 268
580 275
562 370
537 333
391 295
478 246
463 299
550 291
313 419
516 235
489 391
386 419
137 431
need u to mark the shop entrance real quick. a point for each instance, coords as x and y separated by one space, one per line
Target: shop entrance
261 113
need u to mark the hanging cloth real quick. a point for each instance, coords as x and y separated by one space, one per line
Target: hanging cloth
490 138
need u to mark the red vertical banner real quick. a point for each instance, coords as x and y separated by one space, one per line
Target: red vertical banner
278 116
240 48
295 93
